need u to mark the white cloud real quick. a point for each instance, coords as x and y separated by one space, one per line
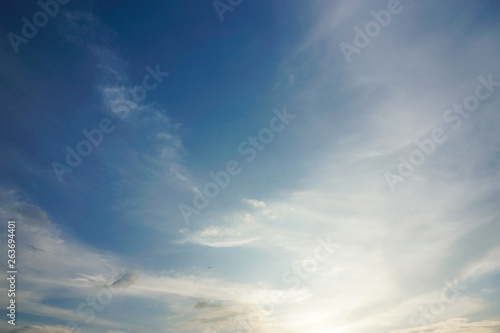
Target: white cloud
255 203
457 325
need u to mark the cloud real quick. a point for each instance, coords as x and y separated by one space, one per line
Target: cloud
87 30
56 262
225 317
395 249
255 203
161 148
40 329
218 237
73 270
457 325
14 208
125 280
441 222
204 304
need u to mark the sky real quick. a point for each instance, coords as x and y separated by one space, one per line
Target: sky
251 166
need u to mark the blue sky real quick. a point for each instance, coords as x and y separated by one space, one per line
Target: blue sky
354 144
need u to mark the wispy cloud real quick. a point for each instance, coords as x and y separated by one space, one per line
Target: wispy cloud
457 325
